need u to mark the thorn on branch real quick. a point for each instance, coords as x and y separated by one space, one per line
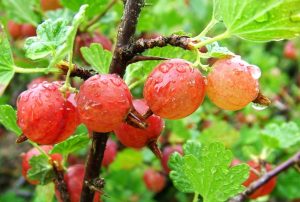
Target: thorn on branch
262 100
139 58
22 138
96 184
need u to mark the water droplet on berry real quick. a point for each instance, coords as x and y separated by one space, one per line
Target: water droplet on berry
258 107
104 81
255 71
116 82
158 80
181 69
165 68
228 62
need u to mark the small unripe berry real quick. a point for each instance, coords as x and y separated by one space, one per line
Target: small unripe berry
103 102
35 152
138 138
74 179
154 180
109 153
45 116
266 188
174 89
166 155
233 83
14 29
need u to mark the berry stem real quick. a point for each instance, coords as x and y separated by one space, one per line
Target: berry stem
293 161
35 70
210 25
196 195
220 37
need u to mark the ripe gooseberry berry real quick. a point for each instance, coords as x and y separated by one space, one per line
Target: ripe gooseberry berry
103 102
136 137
109 153
174 89
290 50
86 39
154 180
74 179
28 30
166 155
45 116
14 29
35 152
233 83
48 5
255 172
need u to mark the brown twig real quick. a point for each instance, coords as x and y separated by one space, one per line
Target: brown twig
60 183
294 160
77 71
93 165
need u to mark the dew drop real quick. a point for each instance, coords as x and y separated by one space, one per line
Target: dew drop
104 81
258 107
165 68
254 71
158 80
181 69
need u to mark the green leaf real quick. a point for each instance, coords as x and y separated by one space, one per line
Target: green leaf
95 6
281 136
206 170
127 160
72 144
214 50
44 193
50 36
40 169
22 11
8 119
6 61
65 14
66 47
260 20
97 57
287 184
220 131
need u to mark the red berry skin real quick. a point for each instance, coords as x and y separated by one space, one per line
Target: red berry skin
103 102
290 50
45 116
37 81
154 180
174 89
109 153
48 5
233 83
74 178
28 30
166 155
138 138
265 189
14 29
86 39
35 152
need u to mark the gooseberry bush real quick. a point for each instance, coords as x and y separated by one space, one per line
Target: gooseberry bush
147 100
